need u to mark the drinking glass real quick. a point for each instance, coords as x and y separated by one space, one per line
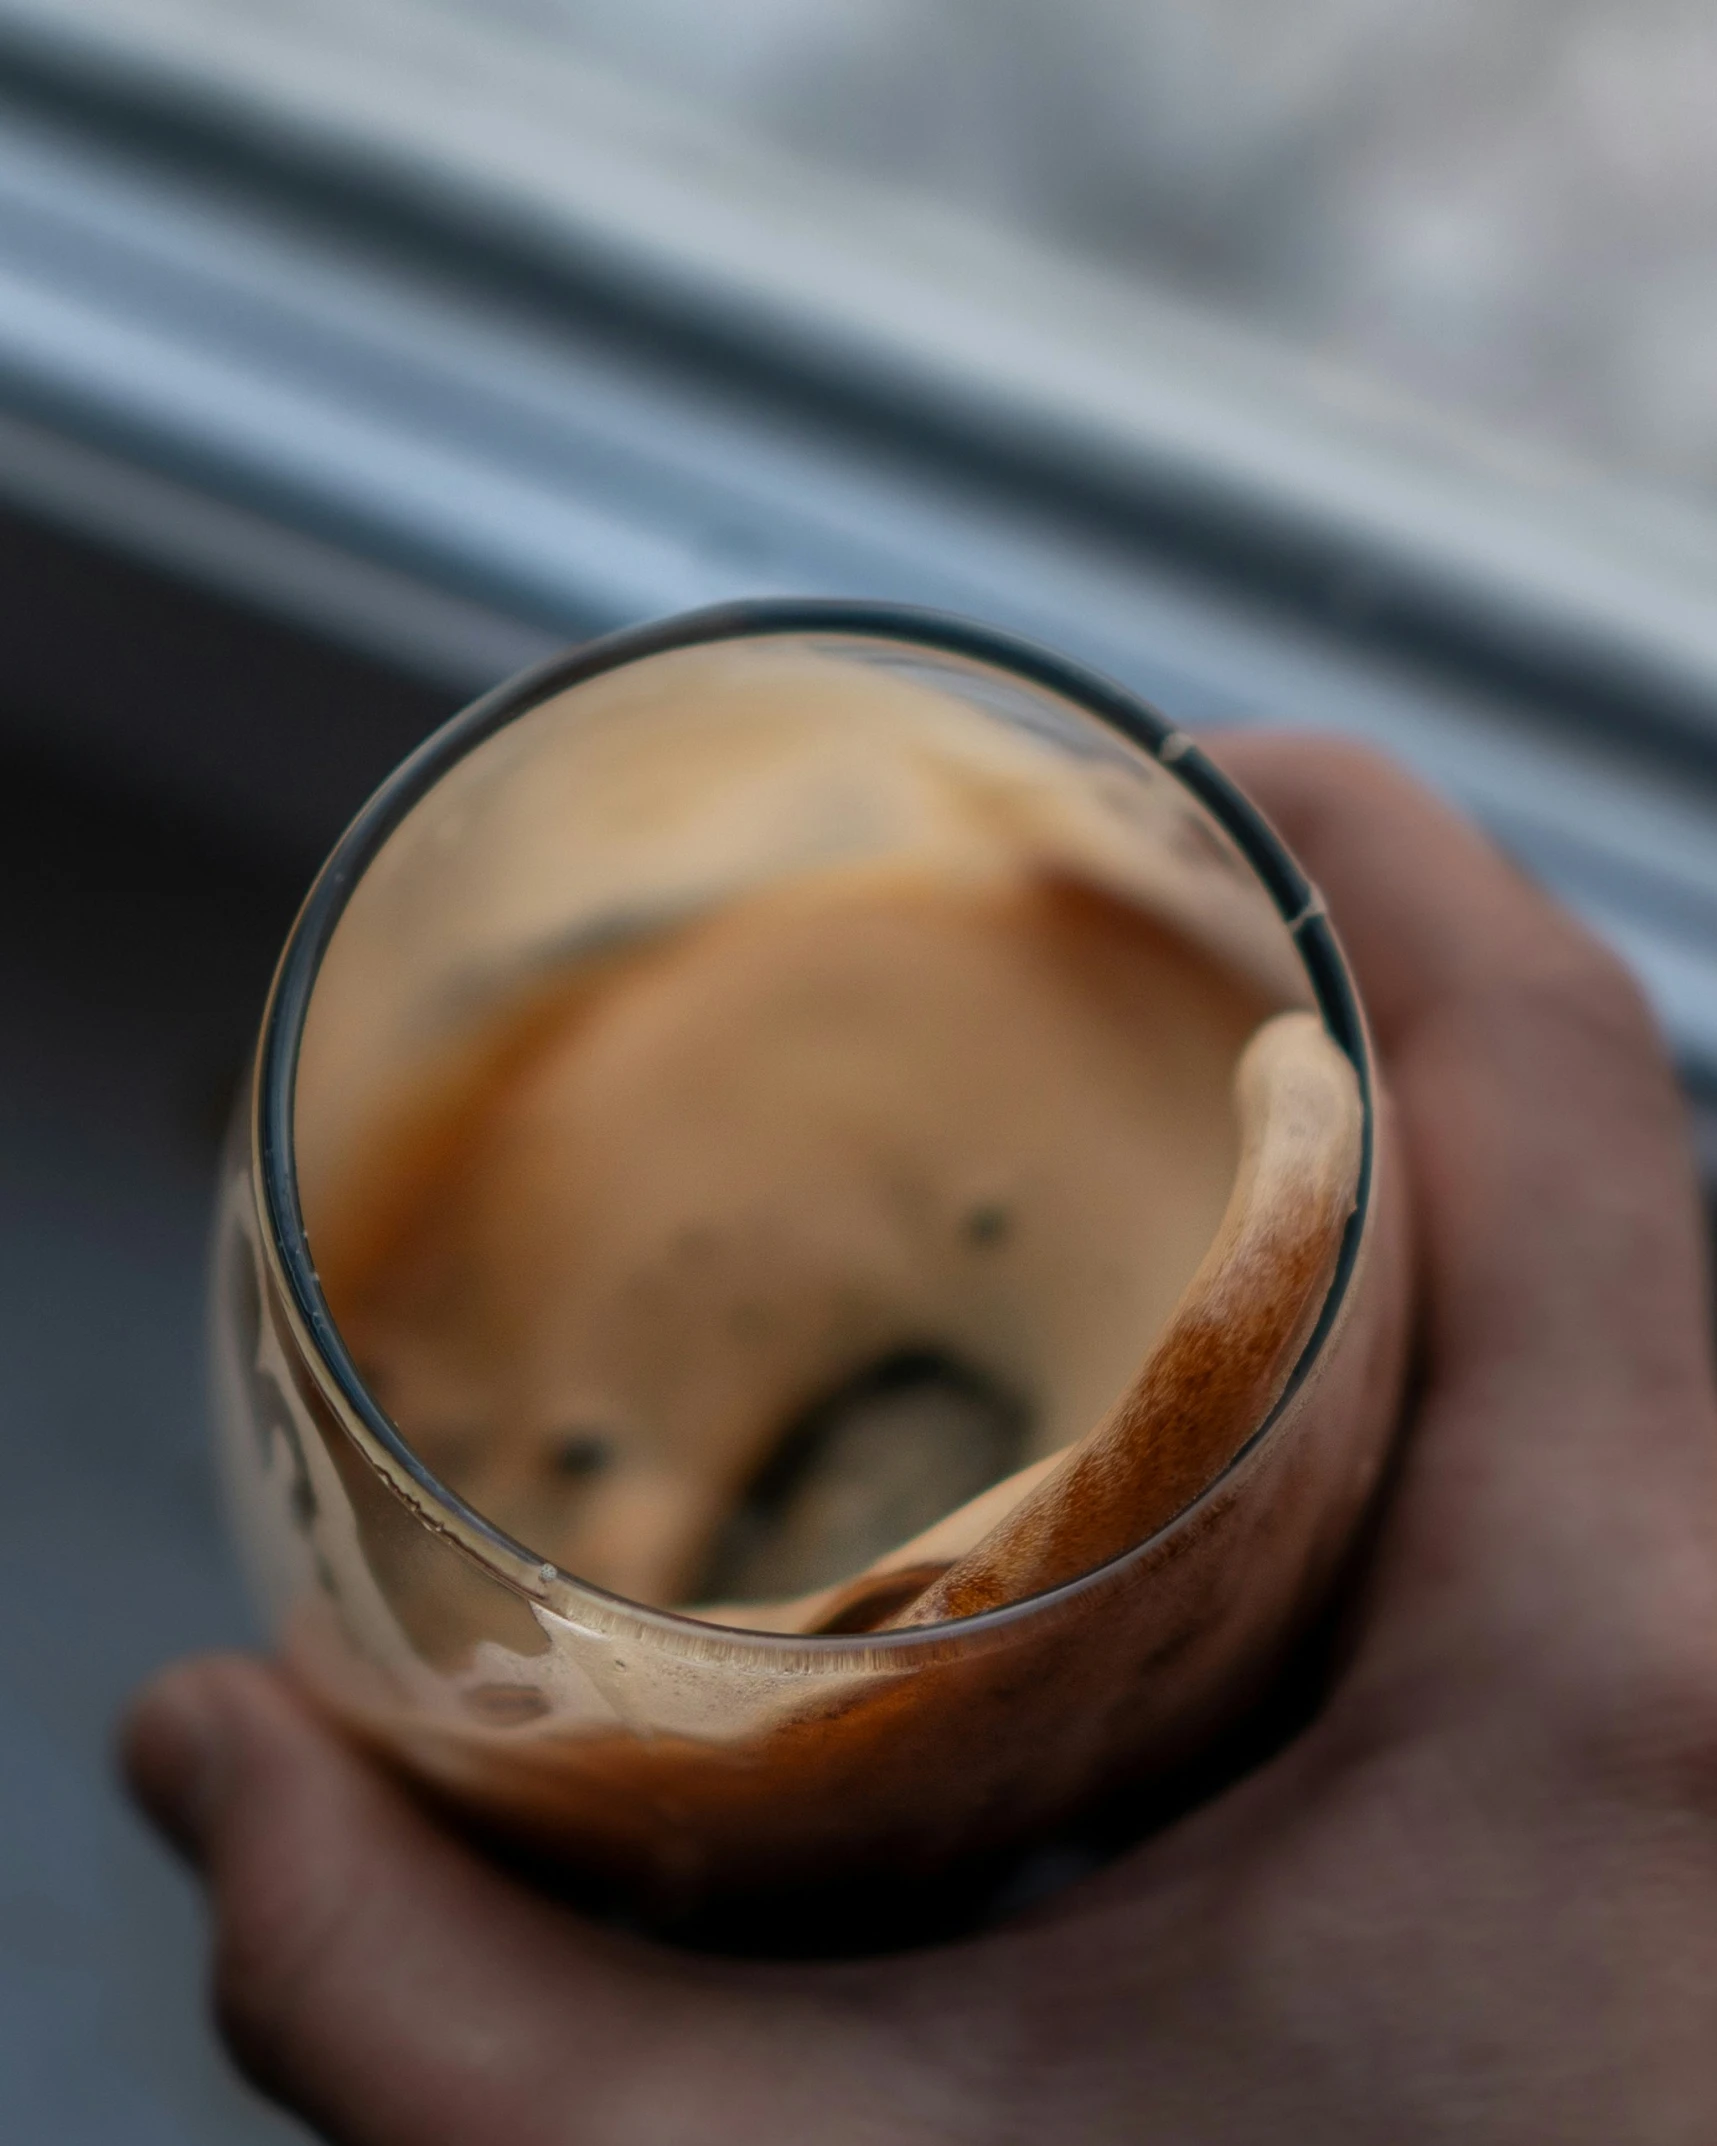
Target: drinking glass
670 1763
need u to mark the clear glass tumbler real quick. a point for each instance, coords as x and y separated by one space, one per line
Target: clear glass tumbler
674 1761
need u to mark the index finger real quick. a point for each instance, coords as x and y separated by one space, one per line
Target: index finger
1561 1251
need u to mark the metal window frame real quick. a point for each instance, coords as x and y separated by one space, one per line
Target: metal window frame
451 400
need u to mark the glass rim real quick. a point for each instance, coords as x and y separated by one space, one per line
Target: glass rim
273 1144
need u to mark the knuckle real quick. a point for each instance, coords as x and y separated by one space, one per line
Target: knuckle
1659 1738
1575 992
1603 990
1342 764
1642 1710
1337 774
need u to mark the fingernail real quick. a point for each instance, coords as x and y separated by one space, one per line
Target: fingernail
175 1757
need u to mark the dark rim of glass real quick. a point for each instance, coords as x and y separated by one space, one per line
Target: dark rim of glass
1112 704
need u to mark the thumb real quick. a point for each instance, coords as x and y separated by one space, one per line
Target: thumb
392 1986
369 1972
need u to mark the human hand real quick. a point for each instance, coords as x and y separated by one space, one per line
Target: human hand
1475 1899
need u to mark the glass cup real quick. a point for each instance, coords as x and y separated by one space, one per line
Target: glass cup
948 1709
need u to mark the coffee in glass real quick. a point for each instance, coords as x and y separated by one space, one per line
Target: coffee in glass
809 1284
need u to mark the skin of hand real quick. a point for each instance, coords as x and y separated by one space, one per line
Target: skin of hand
1475 1899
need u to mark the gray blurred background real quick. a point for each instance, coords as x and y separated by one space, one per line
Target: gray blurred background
1509 206
1331 361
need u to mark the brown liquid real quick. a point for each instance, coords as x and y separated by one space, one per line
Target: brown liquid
719 1267
752 1104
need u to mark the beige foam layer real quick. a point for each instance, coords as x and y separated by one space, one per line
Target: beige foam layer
1208 1382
